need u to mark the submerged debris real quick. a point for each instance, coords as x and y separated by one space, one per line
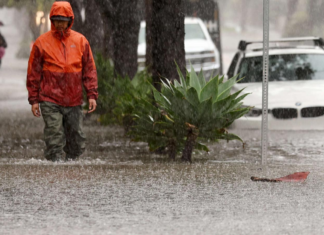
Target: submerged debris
295 177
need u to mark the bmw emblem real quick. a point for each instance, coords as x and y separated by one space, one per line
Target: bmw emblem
298 104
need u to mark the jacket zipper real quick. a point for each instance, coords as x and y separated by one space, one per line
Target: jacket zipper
63 47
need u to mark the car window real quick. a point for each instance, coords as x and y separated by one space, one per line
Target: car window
192 31
290 67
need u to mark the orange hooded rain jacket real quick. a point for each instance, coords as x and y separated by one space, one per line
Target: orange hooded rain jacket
60 63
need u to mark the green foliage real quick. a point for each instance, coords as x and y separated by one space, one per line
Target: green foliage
106 81
154 126
189 106
117 95
131 92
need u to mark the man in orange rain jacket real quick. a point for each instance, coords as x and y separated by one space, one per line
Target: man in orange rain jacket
60 64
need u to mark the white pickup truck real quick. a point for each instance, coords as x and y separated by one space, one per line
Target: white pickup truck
201 51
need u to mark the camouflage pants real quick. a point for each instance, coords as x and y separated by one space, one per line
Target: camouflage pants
62 131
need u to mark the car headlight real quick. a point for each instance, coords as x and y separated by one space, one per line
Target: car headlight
209 59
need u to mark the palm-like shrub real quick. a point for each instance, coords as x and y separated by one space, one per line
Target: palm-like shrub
118 95
153 126
131 92
187 111
106 83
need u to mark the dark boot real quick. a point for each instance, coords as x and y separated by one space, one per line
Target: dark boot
55 158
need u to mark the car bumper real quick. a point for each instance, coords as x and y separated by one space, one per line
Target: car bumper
316 123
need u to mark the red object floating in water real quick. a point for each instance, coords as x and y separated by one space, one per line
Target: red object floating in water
295 177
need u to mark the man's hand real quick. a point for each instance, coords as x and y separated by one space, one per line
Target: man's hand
35 110
92 105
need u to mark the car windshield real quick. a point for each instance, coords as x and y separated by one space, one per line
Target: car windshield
192 31
290 67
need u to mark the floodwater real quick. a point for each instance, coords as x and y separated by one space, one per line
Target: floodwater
118 187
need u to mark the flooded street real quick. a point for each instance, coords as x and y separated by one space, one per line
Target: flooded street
118 187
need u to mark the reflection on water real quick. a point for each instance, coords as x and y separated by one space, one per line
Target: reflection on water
123 189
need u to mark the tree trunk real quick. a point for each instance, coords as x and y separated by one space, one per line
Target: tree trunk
128 123
167 40
172 149
77 24
121 28
189 146
148 20
106 11
125 37
93 26
107 40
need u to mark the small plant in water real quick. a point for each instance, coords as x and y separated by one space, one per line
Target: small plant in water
189 111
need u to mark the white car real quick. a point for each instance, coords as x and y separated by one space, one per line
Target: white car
295 88
201 51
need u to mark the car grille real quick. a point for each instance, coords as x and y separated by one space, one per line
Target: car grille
312 112
284 113
200 58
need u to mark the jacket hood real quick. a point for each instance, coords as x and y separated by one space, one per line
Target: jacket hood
62 9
